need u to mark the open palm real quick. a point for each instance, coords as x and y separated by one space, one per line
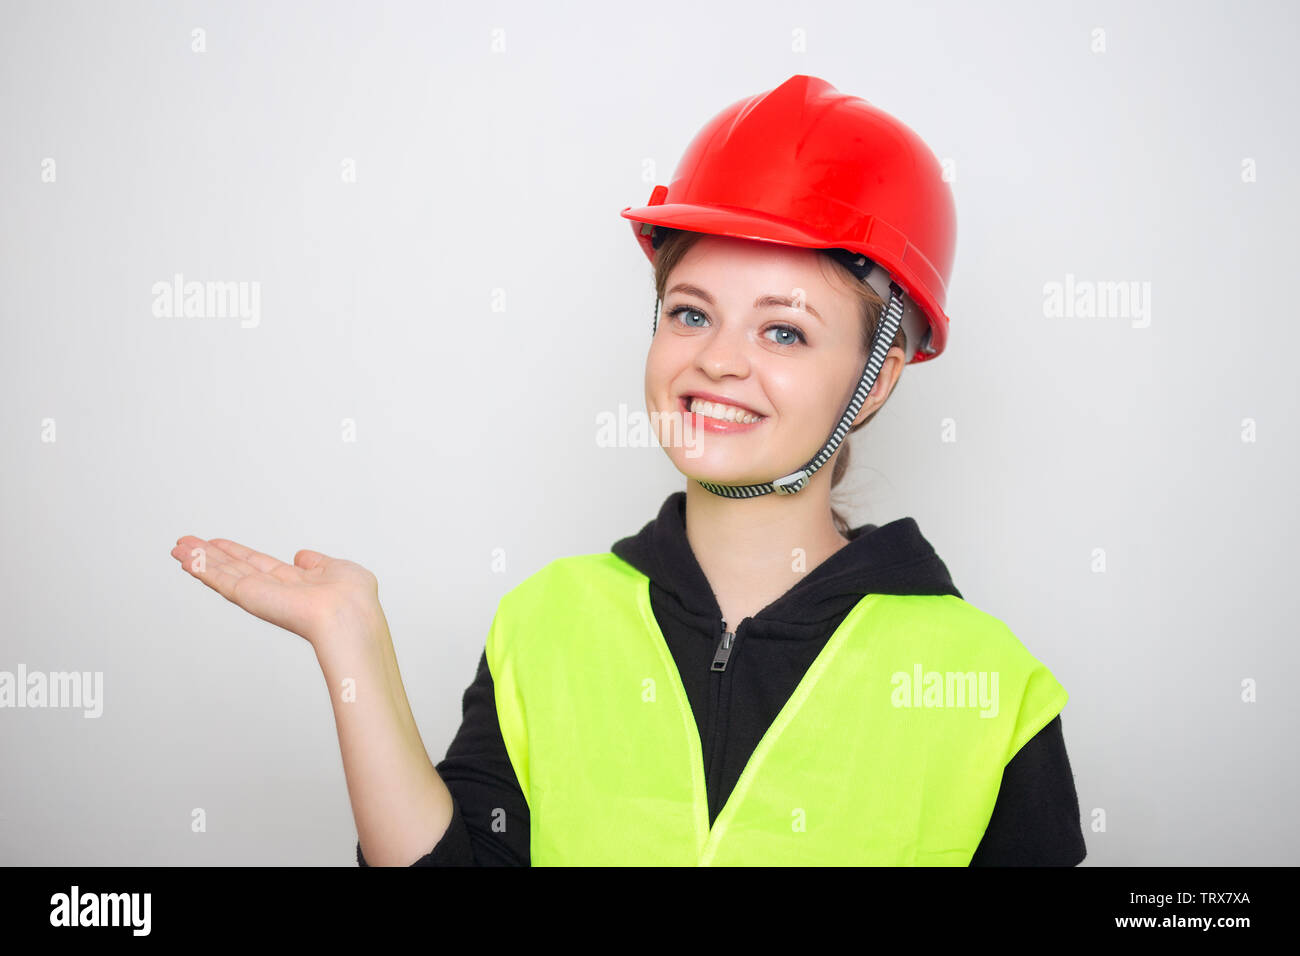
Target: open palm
307 597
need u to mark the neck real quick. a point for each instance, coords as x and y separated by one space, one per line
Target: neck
753 550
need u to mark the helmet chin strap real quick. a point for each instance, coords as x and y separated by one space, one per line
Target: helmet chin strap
798 480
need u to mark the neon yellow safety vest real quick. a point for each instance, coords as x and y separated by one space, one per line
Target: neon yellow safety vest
890 751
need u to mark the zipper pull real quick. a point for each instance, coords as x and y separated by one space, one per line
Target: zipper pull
724 649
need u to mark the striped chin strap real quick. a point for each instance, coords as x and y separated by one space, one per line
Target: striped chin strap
890 321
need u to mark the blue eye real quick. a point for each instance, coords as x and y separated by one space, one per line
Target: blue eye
789 329
686 308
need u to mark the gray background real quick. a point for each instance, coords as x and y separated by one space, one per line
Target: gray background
480 171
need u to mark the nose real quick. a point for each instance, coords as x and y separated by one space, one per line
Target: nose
724 353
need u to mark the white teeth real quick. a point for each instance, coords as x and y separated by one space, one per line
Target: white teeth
727 413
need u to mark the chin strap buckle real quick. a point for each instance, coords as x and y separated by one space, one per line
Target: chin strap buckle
791 483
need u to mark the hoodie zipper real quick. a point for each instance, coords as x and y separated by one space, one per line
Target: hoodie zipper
721 655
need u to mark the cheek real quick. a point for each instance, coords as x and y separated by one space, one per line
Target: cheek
667 358
658 377
796 393
815 397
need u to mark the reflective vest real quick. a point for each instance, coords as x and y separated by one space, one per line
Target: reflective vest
889 752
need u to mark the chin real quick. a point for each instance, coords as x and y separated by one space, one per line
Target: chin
719 475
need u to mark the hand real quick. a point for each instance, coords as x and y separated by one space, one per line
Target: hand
312 597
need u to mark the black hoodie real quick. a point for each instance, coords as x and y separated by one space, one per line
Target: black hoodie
1034 823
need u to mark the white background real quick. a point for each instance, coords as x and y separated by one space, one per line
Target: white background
481 170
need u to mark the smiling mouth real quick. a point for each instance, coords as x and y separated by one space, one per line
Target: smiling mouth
715 411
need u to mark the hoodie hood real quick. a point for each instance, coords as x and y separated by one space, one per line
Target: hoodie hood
891 559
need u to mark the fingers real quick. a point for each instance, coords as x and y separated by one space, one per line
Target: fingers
210 564
216 554
212 558
254 559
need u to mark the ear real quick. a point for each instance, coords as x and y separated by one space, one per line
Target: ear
895 359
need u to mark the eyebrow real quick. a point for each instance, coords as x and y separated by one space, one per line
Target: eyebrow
761 302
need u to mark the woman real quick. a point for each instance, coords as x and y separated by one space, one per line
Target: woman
856 710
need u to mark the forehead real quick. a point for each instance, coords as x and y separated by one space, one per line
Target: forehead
749 251
749 262
737 268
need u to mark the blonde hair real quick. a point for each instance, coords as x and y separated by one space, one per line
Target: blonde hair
674 246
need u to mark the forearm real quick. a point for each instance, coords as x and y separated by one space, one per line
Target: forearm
400 804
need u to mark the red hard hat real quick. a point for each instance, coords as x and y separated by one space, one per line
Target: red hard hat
806 165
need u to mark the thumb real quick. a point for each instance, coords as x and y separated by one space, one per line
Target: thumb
309 560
